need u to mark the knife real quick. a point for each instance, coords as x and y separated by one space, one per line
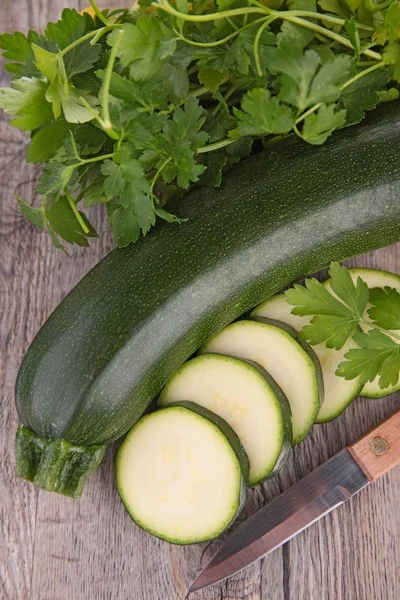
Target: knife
303 504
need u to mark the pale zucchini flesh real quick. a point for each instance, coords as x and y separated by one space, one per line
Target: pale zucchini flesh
239 393
179 477
338 393
283 358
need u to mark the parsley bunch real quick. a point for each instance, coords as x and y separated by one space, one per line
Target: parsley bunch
338 312
132 107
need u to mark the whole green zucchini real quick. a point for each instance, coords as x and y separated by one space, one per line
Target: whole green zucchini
117 337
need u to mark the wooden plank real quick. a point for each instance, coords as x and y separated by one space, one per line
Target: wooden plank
55 548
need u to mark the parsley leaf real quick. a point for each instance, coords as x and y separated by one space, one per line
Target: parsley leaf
354 295
55 178
47 140
34 215
69 28
145 46
186 124
263 114
338 309
178 87
385 310
114 181
335 317
124 224
214 163
17 48
320 125
27 101
378 354
362 95
303 81
61 218
211 78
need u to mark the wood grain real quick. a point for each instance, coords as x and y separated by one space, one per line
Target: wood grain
379 450
55 548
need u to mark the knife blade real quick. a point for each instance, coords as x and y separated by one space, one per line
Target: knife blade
313 497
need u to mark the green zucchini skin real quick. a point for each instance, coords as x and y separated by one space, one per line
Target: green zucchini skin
305 345
118 336
55 465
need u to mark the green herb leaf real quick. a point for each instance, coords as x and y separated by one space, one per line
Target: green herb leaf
167 216
333 322
354 37
27 101
262 114
211 78
378 355
145 46
320 125
17 48
304 82
354 295
34 215
186 124
124 224
385 310
46 141
114 182
362 95
64 222
214 163
55 178
69 28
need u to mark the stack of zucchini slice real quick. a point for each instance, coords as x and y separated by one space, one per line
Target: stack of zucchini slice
228 419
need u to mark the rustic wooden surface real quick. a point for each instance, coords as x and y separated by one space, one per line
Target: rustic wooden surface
55 548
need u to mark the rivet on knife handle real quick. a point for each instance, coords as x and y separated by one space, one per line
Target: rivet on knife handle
379 450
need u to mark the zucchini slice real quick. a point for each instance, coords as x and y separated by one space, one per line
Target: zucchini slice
181 474
338 393
283 358
243 395
376 278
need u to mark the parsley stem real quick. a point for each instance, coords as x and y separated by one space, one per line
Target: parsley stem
215 146
87 161
104 95
257 44
76 211
330 34
156 176
227 95
96 35
193 94
218 42
308 112
378 65
323 17
165 6
98 13
369 5
297 132
93 112
381 329
232 23
344 86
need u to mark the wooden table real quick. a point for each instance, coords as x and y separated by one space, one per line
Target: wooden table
56 548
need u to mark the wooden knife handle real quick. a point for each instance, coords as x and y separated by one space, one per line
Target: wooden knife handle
379 450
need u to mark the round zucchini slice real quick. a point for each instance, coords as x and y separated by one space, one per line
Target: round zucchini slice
375 278
338 392
283 358
246 398
180 477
